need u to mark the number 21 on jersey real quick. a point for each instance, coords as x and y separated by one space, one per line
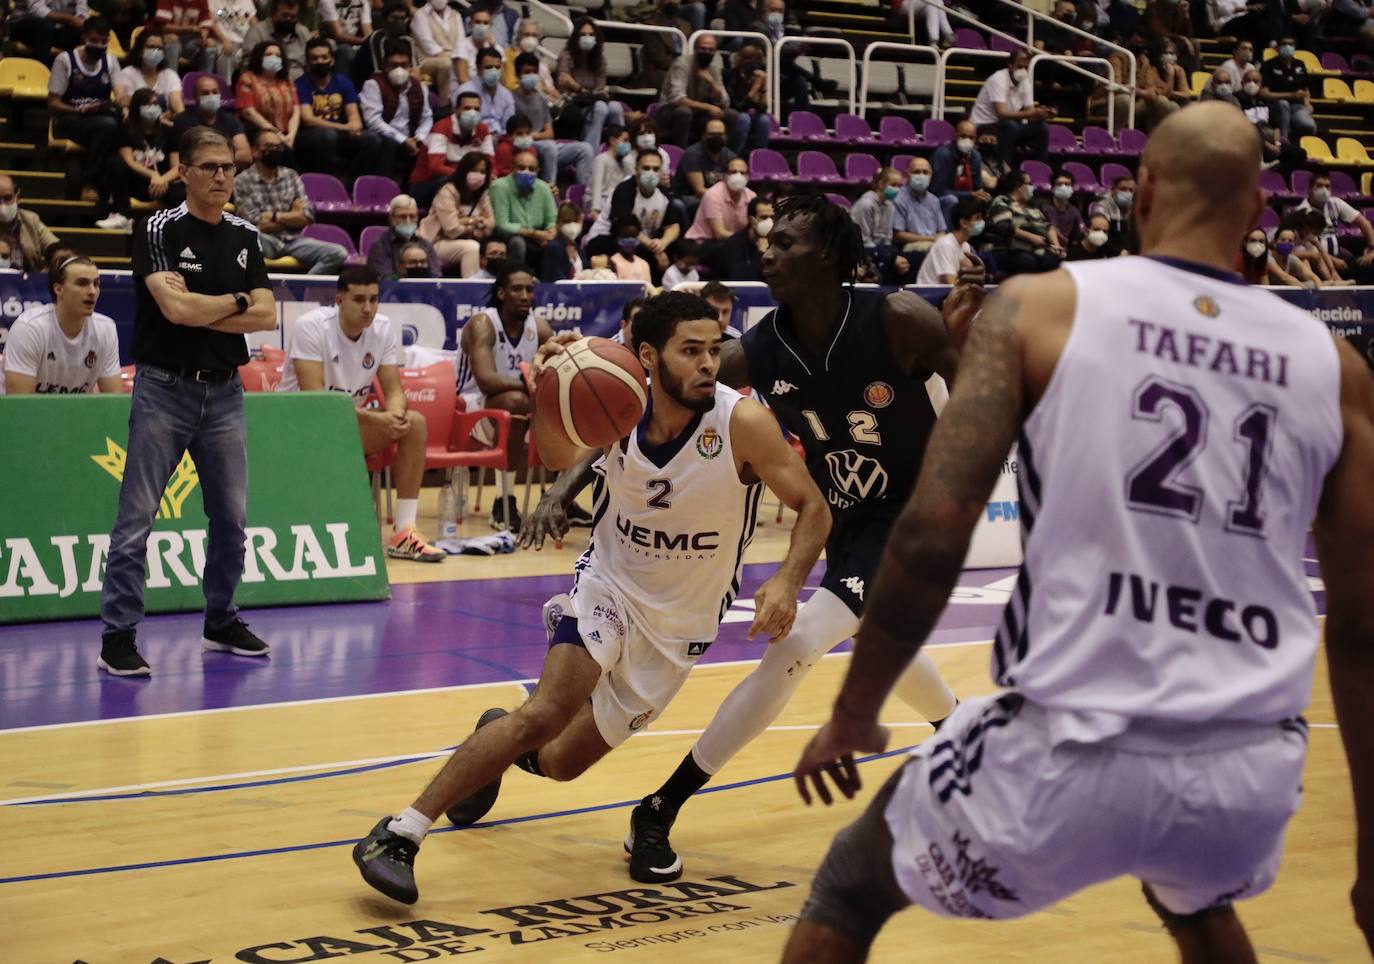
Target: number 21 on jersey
863 427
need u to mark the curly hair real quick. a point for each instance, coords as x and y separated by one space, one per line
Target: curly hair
835 230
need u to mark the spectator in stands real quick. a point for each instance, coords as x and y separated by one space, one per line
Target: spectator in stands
47 25
693 93
504 23
265 97
1219 87
191 33
417 260
643 196
348 23
233 18
1336 212
957 169
1122 97
125 16
703 165
394 31
461 217
1025 241
67 347
1173 19
28 236
609 168
493 253
1162 84
1238 63
207 111
581 73
721 298
285 29
795 81
684 254
525 210
628 265
659 51
1007 105
1061 212
343 348
740 257
1257 262
1096 243
6 259
149 70
918 218
1275 151
994 168
951 252
527 41
1328 267
1283 82
553 154
1257 22
1353 19
331 123
270 195
478 40
384 256
1115 205
873 213
930 14
145 164
519 136
450 140
497 103
438 32
562 259
1287 253
746 80
79 92
725 206
396 109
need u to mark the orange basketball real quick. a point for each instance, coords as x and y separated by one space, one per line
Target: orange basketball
593 393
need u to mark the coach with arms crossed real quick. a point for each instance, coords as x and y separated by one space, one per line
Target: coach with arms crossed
199 284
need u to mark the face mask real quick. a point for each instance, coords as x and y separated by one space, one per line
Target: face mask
529 44
209 103
4 264
1019 74
523 142
1222 90
975 229
1097 238
286 27
469 118
571 230
1256 249
775 20
919 182
1251 88
890 193
1087 24
1284 248
491 76
736 181
524 180
763 227
95 51
276 157
704 60
645 141
1286 51
271 64
8 212
529 81
417 272
628 246
480 29
476 180
1242 58
321 70
1168 60
587 42
398 76
439 5
649 180
153 56
965 145
1124 198
622 148
406 230
1321 195
150 113
714 143
1062 192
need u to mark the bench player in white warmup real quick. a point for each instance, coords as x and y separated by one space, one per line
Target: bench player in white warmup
67 347
676 502
342 348
1178 431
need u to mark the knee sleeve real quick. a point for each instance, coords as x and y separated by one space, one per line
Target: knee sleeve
921 688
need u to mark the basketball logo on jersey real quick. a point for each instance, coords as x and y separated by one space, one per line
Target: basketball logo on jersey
856 475
710 444
368 361
1206 305
878 395
89 361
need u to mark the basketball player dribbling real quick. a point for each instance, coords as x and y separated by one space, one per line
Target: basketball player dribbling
1178 431
675 506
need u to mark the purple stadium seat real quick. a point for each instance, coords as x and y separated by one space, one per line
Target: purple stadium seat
1098 140
936 132
1272 182
674 155
369 237
188 88
373 192
803 125
860 168
766 164
774 129
1299 182
1039 173
852 128
1268 219
1343 185
1062 140
1083 177
1132 141
969 39
902 161
577 193
1110 172
1335 62
839 199
331 233
1002 44
326 192
813 167
897 130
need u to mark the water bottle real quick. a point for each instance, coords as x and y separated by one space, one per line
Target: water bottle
448 512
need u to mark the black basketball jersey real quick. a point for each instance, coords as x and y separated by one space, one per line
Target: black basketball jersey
862 420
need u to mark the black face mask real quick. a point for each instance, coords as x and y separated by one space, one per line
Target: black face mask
277 157
286 27
95 51
704 60
417 272
714 143
397 28
670 9
321 70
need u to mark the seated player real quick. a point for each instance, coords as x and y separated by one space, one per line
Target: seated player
67 347
342 349
639 620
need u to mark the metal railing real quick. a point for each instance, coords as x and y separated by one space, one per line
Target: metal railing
771 72
905 48
1111 86
776 106
553 12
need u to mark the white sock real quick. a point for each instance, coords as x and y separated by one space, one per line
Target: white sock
823 622
411 824
921 688
406 510
507 483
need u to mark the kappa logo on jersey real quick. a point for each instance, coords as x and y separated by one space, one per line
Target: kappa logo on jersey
781 387
879 395
89 360
368 361
242 259
1206 305
640 720
857 475
855 585
710 444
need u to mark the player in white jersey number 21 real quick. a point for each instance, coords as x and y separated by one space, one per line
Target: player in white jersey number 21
1179 430
675 508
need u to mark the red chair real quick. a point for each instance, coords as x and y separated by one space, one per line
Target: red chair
260 375
126 374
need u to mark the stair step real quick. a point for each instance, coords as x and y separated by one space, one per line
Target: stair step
38 184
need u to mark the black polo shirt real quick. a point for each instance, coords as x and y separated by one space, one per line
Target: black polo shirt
224 122
737 258
1283 78
215 259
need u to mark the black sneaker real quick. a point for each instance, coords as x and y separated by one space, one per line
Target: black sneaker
387 862
235 638
465 813
119 656
652 858
504 514
578 517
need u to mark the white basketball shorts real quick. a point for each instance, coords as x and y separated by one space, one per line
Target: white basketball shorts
485 430
994 818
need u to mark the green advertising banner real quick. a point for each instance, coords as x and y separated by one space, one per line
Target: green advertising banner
312 530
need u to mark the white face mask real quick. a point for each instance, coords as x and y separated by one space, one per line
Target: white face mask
1019 75
8 212
1222 90
736 181
645 141
439 6
398 76
1251 88
1256 249
1097 238
529 44
965 145
763 227
571 230
1063 192
1321 195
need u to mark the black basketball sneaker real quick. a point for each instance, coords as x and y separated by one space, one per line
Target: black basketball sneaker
387 862
467 812
652 859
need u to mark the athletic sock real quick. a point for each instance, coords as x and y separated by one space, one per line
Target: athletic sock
411 824
506 485
529 762
406 510
686 780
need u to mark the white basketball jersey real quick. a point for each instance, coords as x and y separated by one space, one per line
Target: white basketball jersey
671 526
1167 479
349 366
508 355
63 366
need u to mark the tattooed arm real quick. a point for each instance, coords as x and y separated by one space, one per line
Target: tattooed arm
1007 360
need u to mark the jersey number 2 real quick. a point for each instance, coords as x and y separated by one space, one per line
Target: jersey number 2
660 500
1153 485
863 427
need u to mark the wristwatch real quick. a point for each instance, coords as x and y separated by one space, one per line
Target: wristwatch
240 303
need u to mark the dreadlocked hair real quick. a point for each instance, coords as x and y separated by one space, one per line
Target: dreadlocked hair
834 228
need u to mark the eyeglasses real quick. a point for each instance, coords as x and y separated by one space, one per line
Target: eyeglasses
210 169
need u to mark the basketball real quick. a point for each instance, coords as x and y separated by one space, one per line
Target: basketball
594 393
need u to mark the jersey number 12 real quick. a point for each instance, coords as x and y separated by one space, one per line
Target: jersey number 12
863 427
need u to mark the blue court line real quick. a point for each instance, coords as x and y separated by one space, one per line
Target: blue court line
300 848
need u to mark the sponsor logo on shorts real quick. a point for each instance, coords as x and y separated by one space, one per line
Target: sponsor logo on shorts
955 880
710 444
610 616
696 649
855 585
640 720
878 395
781 387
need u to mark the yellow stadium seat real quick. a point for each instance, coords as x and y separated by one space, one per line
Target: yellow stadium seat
23 78
1269 53
1309 60
116 48
61 144
285 264
1317 149
1334 89
1351 151
1364 91
1366 182
1200 78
